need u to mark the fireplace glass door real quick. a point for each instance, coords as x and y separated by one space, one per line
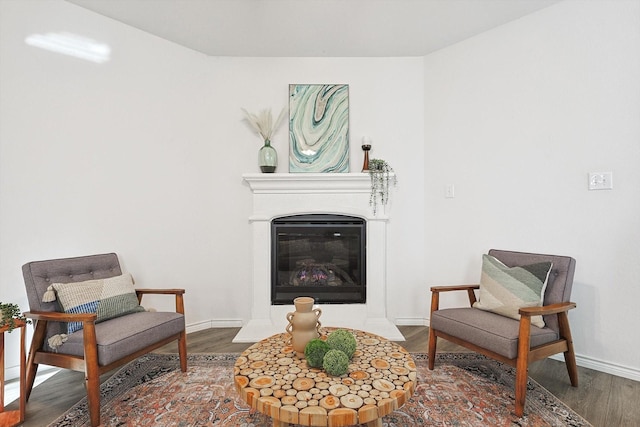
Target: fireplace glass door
320 256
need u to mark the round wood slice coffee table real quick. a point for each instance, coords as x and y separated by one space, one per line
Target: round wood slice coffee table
272 380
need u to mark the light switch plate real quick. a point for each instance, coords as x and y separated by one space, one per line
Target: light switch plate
450 191
600 180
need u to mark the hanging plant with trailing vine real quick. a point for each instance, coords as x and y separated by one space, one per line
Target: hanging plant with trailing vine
382 175
10 314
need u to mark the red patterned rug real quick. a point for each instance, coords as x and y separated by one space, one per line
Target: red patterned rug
465 389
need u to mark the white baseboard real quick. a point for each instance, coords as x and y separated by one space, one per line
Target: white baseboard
581 360
602 366
411 321
214 323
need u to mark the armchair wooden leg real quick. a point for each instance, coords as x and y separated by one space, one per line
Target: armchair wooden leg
522 364
182 351
522 375
569 355
432 348
92 372
572 367
32 370
36 344
92 382
435 304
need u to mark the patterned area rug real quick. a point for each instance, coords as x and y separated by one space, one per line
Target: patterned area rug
465 389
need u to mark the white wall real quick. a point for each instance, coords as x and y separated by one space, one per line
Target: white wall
143 155
516 118
111 157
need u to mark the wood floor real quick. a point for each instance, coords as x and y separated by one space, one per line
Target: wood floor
604 400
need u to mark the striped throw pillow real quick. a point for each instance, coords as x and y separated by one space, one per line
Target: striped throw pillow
504 290
108 298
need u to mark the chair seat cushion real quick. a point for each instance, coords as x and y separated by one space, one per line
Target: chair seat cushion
122 336
487 330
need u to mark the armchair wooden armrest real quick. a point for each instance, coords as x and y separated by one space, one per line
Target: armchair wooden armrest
160 291
547 309
55 316
564 344
177 292
454 288
41 319
435 293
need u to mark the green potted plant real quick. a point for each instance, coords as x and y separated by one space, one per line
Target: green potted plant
11 314
382 174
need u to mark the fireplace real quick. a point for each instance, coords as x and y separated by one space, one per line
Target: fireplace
322 256
286 195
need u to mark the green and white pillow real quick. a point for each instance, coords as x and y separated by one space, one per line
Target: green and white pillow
504 290
108 298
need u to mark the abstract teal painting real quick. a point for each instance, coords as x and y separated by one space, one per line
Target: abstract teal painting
319 128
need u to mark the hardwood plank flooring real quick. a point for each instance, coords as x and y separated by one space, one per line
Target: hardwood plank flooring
603 399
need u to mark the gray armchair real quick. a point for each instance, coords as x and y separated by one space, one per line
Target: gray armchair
97 347
516 343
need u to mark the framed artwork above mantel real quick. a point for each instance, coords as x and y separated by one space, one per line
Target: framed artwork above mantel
319 128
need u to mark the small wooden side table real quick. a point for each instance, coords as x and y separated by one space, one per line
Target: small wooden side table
273 380
15 417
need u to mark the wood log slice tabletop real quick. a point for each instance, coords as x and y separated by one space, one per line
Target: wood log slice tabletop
273 380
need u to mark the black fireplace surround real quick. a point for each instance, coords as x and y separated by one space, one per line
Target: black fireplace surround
322 256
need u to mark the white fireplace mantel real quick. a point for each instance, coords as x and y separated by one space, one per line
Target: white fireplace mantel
265 183
282 194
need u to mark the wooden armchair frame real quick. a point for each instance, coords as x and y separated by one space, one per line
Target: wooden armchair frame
89 362
526 354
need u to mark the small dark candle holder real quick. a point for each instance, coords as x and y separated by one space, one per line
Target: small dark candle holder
366 148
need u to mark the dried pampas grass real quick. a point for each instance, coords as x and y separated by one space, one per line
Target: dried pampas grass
263 122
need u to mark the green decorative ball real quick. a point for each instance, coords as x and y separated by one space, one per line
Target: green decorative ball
342 340
335 363
314 352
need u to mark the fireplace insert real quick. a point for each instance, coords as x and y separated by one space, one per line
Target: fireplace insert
321 256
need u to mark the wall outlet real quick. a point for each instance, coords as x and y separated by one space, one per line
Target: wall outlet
450 191
600 180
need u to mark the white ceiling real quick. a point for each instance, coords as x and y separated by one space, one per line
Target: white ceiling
314 28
